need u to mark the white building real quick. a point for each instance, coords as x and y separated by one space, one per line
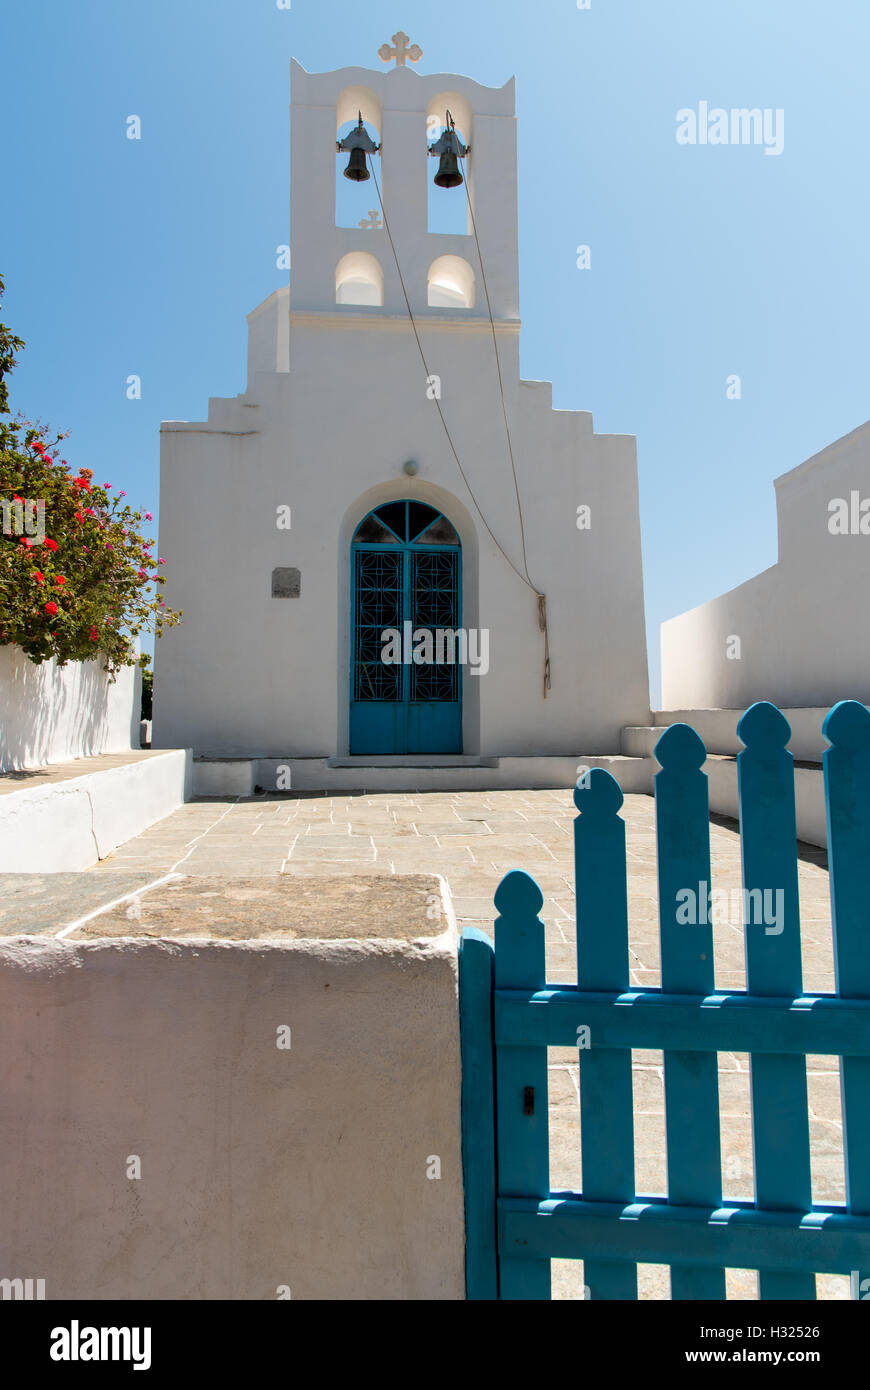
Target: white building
280 651
797 633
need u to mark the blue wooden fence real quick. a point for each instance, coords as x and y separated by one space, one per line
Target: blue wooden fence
510 1015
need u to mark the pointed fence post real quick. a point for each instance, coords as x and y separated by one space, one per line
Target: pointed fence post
522 1110
478 1113
768 838
606 1098
847 797
686 934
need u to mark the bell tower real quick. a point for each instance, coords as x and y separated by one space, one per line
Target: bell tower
405 113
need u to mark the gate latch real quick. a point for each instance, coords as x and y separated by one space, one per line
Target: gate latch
528 1100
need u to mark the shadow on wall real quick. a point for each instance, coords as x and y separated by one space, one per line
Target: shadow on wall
49 714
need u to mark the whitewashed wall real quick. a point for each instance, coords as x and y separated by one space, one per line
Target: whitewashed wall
309 1168
51 714
803 623
56 827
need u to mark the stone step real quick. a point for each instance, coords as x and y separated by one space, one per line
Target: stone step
809 791
412 760
718 729
332 776
639 740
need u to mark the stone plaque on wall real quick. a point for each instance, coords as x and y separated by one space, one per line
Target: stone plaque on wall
286 583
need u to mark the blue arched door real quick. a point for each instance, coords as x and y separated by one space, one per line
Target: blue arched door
405 679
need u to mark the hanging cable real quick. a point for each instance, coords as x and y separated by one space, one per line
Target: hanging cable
517 572
498 369
525 578
542 598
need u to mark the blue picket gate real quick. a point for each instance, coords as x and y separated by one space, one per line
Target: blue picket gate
515 1224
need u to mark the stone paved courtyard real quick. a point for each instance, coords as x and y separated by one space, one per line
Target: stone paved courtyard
472 840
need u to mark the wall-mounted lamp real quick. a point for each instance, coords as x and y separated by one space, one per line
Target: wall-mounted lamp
411 468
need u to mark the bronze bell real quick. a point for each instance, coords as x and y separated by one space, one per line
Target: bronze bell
448 175
451 150
358 143
357 168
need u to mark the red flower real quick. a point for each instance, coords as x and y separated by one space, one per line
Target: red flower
39 576
89 511
26 542
49 543
59 580
80 518
51 608
95 636
16 498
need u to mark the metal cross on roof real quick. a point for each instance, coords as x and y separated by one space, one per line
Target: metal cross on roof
372 222
401 52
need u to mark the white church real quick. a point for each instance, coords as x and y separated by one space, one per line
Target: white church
390 549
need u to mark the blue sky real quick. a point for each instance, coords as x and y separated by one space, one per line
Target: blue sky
144 256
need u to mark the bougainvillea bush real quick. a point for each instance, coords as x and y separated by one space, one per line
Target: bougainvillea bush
90 585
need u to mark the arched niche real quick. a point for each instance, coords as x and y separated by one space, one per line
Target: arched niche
354 202
354 100
447 209
359 279
450 284
460 110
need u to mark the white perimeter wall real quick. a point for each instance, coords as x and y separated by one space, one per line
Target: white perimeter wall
51 714
260 1167
803 622
59 827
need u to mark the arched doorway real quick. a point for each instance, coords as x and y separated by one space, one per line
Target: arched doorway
405 677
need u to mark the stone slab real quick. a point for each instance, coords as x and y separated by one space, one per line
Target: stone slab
43 904
390 907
